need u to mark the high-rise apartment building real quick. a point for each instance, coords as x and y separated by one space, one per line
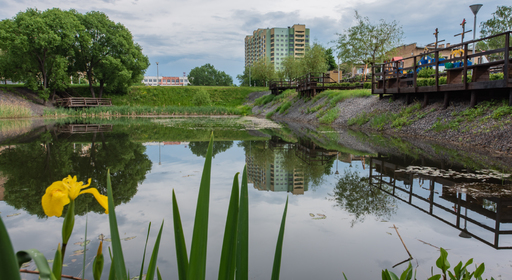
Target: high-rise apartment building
274 44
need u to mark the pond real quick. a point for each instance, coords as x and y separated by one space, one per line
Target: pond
358 203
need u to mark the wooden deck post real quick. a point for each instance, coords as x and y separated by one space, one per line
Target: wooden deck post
510 98
425 100
407 99
472 104
446 100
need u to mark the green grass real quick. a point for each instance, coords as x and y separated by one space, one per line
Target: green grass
14 111
146 111
330 116
174 96
264 100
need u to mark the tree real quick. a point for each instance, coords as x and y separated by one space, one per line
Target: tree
52 158
368 43
331 63
105 51
291 67
357 196
244 77
500 22
314 60
200 148
36 45
263 71
207 75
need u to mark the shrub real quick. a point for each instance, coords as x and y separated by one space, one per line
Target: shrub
201 98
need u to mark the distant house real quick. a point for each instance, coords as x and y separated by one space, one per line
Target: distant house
165 81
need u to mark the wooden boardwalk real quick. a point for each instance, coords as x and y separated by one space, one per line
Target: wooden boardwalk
309 85
84 128
391 78
77 102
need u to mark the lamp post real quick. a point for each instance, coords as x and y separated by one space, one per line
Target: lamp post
475 8
157 74
249 76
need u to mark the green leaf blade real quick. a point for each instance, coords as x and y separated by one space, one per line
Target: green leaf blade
279 246
154 256
117 250
45 273
9 265
197 264
242 247
227 265
179 240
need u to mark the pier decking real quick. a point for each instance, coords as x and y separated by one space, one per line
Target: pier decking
470 77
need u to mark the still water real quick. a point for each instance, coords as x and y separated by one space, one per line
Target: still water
357 203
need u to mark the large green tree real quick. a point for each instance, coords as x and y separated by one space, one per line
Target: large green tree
291 67
500 22
368 42
35 46
314 60
105 51
262 71
207 75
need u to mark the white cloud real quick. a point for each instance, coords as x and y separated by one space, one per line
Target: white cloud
184 34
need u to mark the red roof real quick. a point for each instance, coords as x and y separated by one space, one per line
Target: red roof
396 58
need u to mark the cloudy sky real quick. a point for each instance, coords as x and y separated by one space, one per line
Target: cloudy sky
181 35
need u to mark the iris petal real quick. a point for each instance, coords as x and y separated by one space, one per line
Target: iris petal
102 200
55 198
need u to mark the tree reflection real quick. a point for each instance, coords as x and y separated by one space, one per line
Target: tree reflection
354 194
200 148
31 168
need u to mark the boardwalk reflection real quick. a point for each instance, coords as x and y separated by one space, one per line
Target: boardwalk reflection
478 204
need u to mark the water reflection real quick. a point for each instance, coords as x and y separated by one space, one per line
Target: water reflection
455 196
73 150
281 166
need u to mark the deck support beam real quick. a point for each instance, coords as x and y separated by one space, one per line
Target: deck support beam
446 100
510 98
425 100
472 104
407 99
380 96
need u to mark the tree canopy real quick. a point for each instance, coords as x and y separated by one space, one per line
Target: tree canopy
45 48
207 75
500 22
367 42
331 63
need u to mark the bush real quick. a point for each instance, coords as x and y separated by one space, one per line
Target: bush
426 73
201 98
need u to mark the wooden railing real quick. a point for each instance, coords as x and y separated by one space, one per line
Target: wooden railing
82 102
390 78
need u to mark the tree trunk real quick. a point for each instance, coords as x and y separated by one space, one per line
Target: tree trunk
102 85
89 78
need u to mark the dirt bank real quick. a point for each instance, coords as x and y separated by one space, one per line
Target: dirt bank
483 132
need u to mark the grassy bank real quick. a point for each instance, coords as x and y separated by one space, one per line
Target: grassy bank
176 96
118 111
326 111
147 100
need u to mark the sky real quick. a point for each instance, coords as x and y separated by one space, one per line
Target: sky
182 35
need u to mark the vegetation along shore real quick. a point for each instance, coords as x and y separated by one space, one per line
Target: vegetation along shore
487 126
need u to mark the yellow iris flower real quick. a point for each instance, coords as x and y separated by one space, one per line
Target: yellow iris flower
60 193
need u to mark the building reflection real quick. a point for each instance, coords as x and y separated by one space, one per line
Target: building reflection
451 196
287 167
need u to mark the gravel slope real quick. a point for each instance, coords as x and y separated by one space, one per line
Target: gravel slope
490 135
